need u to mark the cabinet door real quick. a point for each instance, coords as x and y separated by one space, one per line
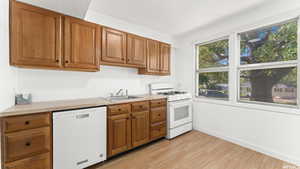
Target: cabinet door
35 36
119 134
36 162
113 46
136 50
153 56
140 128
82 44
165 52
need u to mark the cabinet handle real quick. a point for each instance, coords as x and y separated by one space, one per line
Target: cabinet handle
67 61
57 60
122 59
119 109
28 144
27 122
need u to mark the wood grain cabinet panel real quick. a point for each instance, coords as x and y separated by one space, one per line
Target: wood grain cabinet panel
136 50
165 52
140 128
12 124
82 44
26 143
119 109
113 46
37 162
158 114
158 131
140 106
35 37
119 134
158 59
153 56
158 103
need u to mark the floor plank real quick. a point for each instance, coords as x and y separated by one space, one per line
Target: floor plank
194 150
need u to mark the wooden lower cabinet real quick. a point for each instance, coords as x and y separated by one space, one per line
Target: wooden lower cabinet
119 134
140 128
26 142
36 162
130 125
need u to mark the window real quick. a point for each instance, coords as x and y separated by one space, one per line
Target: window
212 69
268 64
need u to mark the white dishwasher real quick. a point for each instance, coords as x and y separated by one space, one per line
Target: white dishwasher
79 138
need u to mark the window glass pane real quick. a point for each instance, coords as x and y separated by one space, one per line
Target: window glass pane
214 54
213 84
269 85
270 44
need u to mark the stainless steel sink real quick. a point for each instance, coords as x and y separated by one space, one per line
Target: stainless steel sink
117 98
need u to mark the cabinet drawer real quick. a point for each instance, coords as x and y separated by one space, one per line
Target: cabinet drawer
140 106
158 114
36 162
158 131
18 123
119 109
26 143
158 103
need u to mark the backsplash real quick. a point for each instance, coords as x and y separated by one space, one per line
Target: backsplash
45 85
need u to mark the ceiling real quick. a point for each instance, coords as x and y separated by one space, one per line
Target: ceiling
77 8
172 17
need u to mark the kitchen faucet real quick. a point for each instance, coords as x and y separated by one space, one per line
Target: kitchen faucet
121 91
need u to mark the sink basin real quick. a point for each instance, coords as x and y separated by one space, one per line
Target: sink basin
116 98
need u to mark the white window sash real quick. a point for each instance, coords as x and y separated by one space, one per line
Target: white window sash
269 65
214 69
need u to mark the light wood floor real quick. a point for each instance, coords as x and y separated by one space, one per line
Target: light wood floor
193 150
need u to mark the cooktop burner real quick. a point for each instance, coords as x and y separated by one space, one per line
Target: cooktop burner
171 93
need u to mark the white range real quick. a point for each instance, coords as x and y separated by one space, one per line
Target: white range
180 115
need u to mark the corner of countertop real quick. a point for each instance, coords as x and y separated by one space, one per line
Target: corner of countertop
61 105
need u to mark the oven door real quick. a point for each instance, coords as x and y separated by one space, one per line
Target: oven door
179 113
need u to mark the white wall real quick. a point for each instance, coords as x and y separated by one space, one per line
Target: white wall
6 72
56 85
271 130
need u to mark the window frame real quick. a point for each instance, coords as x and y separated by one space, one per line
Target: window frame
269 65
199 70
234 63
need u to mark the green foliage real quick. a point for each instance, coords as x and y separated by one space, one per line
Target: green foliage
211 53
279 45
211 80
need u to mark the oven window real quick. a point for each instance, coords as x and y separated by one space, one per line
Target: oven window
181 113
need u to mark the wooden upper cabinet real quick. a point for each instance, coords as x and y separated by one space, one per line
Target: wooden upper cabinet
158 59
136 50
35 36
82 44
113 46
165 52
153 56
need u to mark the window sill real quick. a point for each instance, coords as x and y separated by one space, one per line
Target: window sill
293 110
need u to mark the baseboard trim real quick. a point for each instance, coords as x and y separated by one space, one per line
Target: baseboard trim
260 149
